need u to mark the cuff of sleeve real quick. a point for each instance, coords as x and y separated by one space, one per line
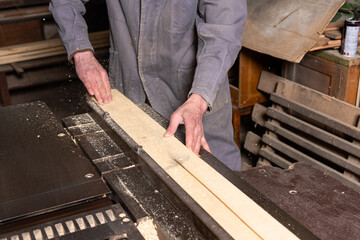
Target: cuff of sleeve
78 44
71 56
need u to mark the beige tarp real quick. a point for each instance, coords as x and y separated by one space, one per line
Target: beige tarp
287 29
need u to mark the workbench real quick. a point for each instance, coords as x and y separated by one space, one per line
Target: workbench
307 201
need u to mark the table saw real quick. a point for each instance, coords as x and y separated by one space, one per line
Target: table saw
88 179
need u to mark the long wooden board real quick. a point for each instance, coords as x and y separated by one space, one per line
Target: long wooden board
45 48
235 212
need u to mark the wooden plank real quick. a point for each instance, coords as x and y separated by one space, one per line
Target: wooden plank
313 147
271 156
45 48
252 143
314 131
4 90
234 92
317 116
15 49
17 33
334 26
301 157
236 121
333 34
250 66
320 102
258 114
240 216
354 160
268 82
323 44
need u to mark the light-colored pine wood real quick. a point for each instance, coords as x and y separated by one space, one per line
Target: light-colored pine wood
334 34
239 215
334 26
45 48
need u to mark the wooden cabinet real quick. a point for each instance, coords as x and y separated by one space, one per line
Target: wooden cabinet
244 93
329 72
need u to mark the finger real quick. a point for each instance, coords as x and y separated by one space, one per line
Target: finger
189 134
205 145
100 85
175 121
105 78
198 133
103 84
89 88
96 91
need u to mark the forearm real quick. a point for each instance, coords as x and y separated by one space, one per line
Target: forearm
219 26
71 25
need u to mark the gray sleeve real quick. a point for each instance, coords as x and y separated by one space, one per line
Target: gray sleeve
220 25
68 14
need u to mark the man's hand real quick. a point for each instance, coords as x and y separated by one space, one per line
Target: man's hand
93 75
190 114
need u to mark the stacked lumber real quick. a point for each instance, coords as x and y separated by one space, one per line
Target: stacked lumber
304 125
22 14
331 37
45 48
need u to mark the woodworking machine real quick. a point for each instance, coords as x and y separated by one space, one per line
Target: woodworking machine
87 179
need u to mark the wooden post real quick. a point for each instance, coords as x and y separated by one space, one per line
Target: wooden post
5 95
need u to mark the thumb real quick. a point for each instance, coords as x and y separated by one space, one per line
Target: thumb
173 126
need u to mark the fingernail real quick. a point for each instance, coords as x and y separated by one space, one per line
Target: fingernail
167 134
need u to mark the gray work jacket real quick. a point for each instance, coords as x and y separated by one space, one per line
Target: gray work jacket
163 49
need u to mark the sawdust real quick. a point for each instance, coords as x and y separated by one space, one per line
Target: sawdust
148 228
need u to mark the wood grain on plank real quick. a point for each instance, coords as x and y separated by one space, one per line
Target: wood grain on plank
45 48
239 215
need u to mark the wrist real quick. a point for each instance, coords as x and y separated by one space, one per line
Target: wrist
78 55
200 101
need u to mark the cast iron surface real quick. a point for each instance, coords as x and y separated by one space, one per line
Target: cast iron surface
105 223
139 196
319 202
41 168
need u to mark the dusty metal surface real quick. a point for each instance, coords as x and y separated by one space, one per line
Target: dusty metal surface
130 186
110 222
42 169
322 204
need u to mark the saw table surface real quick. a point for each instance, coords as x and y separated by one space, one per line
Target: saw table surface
322 204
41 169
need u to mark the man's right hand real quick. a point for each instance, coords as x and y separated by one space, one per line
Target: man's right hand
93 75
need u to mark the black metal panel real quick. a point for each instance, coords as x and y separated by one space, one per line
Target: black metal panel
99 224
98 145
41 168
322 204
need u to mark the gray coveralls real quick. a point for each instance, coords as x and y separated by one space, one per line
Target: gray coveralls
165 50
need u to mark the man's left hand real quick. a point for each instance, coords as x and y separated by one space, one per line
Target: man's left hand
190 114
